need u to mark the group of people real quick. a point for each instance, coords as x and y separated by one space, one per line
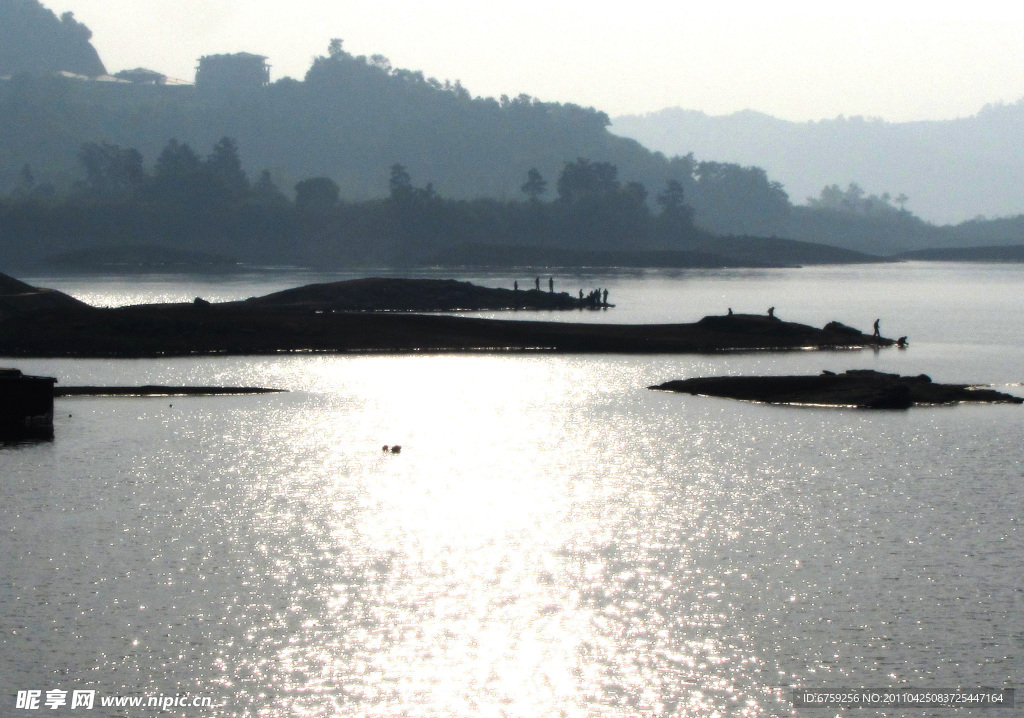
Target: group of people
536 284
597 298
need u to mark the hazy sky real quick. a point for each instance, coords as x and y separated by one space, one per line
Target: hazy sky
796 60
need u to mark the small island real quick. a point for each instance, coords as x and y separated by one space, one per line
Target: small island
862 388
390 294
374 316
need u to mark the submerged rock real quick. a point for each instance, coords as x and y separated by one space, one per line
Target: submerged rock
862 388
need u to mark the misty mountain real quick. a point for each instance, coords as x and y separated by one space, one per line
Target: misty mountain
34 40
950 170
340 133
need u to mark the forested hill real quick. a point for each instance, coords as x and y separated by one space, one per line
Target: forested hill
350 120
33 40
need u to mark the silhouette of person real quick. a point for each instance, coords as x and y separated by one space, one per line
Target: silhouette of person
551 284
877 331
730 311
771 312
515 286
536 283
605 302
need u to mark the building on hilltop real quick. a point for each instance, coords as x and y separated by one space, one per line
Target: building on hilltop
238 71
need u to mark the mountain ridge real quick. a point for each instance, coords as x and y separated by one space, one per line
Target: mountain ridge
952 170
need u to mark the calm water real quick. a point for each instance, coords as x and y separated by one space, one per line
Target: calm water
553 540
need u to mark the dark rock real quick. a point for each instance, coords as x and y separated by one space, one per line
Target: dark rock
26 406
858 387
894 397
840 328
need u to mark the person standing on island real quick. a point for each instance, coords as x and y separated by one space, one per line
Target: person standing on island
605 301
551 285
771 312
878 332
536 283
730 311
515 286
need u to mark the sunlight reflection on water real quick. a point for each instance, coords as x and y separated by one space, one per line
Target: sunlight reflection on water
554 539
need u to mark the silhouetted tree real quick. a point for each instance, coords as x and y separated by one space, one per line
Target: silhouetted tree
674 224
111 171
381 63
535 185
584 178
226 180
595 211
636 192
731 199
266 193
855 200
318 195
400 183
176 175
673 198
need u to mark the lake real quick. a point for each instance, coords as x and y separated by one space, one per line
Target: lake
554 539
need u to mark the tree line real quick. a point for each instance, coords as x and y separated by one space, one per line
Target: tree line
209 204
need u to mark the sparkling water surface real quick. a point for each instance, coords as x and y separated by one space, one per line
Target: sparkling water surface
554 539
